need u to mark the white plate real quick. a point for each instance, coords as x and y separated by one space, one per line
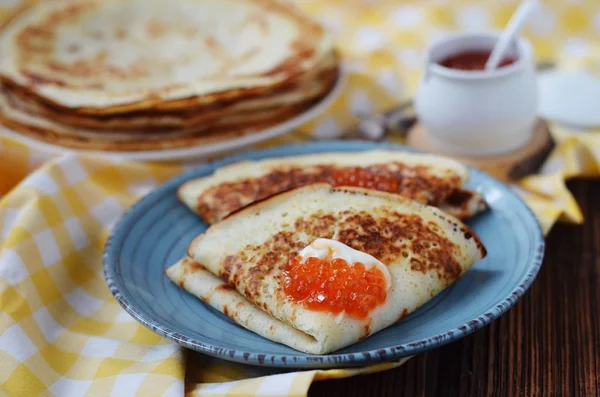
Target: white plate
195 152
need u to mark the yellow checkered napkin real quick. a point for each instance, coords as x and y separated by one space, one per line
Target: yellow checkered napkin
61 332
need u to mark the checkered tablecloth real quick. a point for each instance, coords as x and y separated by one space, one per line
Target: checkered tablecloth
62 333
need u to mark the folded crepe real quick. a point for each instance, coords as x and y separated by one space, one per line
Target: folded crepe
319 268
429 179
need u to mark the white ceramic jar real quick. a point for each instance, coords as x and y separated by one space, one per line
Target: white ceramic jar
477 113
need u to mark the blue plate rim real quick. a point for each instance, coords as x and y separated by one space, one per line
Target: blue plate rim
301 360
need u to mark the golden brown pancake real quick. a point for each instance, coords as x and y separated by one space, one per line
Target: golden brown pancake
94 140
309 87
134 75
422 249
118 56
428 179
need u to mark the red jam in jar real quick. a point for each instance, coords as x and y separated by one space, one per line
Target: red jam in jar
472 60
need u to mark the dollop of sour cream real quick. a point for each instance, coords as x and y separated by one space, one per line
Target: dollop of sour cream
327 249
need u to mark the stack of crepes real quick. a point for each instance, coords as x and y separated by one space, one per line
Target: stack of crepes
127 75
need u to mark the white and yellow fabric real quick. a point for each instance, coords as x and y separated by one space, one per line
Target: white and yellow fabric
62 333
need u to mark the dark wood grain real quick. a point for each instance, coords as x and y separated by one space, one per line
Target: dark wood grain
548 344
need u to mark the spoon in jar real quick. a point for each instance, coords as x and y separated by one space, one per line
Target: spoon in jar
514 26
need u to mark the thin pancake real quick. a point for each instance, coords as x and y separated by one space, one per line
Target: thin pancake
464 204
114 56
424 250
201 283
14 111
429 179
309 87
52 133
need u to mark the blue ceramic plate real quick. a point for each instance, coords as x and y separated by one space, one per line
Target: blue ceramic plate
155 233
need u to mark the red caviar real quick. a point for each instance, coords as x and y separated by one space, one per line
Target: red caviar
335 286
361 177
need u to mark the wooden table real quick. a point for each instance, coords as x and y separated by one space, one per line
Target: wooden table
548 344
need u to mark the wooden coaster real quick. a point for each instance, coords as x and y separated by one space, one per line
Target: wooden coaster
506 167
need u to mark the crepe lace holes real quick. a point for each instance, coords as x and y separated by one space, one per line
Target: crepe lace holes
435 229
416 264
411 237
405 254
427 244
